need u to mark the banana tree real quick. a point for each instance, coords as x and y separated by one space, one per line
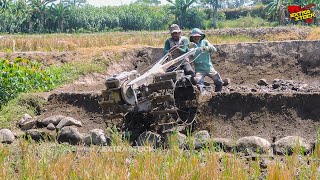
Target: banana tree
276 9
4 4
40 12
179 8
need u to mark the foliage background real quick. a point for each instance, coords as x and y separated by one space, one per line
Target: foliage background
50 16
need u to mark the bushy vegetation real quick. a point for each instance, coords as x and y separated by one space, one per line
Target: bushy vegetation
49 16
235 13
245 22
127 17
42 17
23 75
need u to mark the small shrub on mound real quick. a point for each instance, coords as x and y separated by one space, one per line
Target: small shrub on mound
23 75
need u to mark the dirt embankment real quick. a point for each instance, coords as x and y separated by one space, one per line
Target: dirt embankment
248 62
295 32
267 115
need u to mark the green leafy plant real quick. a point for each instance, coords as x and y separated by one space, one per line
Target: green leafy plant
24 75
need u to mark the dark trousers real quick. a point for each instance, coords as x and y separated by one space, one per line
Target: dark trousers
185 66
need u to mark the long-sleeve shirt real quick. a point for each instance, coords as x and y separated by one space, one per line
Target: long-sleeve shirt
183 41
203 63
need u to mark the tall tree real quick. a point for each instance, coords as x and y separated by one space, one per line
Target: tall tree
59 13
40 12
213 5
179 8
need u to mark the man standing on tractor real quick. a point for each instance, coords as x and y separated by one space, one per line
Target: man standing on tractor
202 63
177 45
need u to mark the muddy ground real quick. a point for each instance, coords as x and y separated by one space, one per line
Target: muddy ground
242 109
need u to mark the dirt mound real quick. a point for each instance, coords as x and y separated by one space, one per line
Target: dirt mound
44 57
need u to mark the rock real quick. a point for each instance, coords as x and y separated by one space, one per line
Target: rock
287 145
276 83
262 82
254 90
52 119
226 81
18 133
176 138
26 116
253 144
97 137
68 121
70 135
149 138
275 86
39 135
51 127
26 122
201 139
223 144
6 136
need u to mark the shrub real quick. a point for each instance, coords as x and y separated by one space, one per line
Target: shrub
23 75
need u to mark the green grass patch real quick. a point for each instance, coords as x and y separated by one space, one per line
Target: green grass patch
72 71
24 103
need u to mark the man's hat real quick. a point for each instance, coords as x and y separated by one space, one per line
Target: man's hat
174 28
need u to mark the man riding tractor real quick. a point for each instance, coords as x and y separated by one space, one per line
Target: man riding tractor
177 45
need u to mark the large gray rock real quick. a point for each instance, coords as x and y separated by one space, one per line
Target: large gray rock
26 122
97 137
68 121
70 135
176 138
39 135
6 136
52 119
149 138
224 144
51 127
287 145
253 144
201 139
262 82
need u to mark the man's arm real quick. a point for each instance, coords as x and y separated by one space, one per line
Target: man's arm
184 43
211 47
166 47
